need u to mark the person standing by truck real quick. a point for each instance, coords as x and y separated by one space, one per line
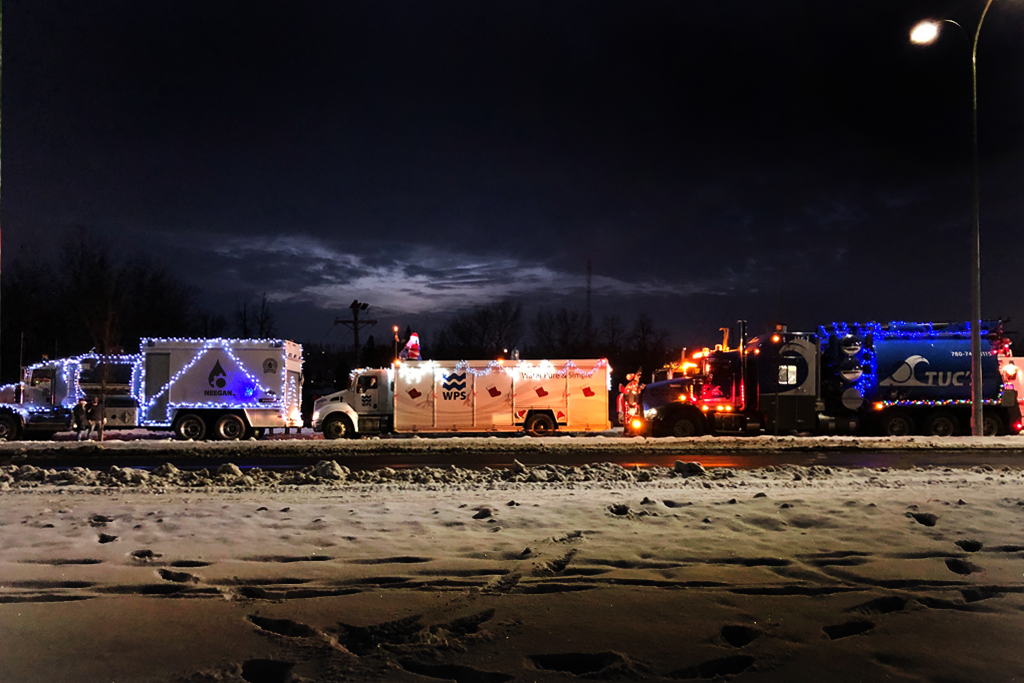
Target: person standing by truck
80 418
95 416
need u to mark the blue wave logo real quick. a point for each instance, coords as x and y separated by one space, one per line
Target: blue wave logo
454 382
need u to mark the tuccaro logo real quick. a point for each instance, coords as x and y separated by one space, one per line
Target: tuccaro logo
454 387
906 376
218 380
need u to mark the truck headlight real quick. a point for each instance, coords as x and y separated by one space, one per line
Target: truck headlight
651 413
316 415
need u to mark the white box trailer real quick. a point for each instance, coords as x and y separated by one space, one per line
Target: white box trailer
222 388
427 396
199 388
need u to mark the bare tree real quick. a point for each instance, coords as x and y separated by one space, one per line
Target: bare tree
254 320
612 335
562 334
265 320
484 332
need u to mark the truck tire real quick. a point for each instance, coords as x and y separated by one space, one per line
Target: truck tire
8 428
338 427
540 424
991 425
685 425
942 423
229 427
897 423
190 427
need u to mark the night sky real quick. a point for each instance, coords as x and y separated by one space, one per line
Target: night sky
796 161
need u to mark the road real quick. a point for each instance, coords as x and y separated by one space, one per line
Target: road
60 457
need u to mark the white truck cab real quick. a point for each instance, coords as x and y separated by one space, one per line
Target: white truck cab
366 407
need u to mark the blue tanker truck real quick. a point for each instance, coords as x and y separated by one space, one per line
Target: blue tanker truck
847 378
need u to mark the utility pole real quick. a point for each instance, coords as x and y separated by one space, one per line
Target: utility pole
590 317
354 324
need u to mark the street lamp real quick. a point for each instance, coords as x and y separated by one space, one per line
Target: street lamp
922 34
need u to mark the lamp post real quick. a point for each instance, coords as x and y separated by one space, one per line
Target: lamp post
924 33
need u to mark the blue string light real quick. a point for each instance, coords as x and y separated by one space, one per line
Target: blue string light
70 369
868 333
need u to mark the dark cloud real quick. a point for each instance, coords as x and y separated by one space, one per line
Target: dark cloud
765 161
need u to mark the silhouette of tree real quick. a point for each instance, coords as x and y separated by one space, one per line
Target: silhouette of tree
482 333
561 334
88 297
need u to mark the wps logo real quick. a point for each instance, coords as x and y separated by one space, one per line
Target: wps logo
453 387
906 376
218 379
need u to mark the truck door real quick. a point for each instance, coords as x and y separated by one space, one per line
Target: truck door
721 379
158 374
368 393
39 386
788 386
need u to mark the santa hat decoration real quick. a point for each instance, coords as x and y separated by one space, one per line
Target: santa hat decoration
411 350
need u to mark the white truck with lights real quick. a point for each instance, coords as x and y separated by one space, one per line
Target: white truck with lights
539 397
199 388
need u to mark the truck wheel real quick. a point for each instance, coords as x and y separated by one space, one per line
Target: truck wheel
942 423
8 428
540 424
229 428
190 427
686 425
338 427
991 425
897 423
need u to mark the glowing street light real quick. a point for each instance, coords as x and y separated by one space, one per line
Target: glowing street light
922 34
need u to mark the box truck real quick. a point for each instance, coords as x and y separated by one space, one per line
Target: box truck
198 388
538 397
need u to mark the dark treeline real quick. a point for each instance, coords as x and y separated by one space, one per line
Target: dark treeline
501 329
91 298
88 297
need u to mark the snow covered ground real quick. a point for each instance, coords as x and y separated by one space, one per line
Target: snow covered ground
532 574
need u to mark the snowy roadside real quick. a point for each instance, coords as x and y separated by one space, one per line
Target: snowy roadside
541 573
329 474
